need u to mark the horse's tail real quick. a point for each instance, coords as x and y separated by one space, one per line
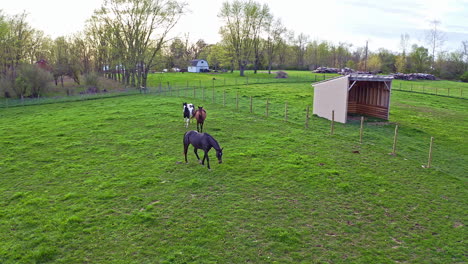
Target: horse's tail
186 141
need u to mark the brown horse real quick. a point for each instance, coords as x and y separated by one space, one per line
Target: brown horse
200 116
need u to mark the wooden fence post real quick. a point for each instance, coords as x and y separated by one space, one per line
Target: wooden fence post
307 117
395 140
286 112
361 130
267 108
237 101
194 93
213 97
224 98
332 128
203 93
430 153
251 110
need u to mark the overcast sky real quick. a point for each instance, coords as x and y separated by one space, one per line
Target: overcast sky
351 21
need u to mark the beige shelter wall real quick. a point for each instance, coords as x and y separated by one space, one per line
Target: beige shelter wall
332 95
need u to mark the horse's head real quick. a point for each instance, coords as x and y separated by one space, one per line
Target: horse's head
219 155
184 104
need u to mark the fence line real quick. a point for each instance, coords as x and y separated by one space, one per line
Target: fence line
456 92
293 114
298 115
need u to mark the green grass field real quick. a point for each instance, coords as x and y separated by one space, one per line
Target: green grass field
103 181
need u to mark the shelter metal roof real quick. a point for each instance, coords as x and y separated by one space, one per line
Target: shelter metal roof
370 77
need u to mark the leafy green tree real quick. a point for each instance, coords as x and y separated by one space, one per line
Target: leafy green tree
220 56
400 63
464 77
419 58
178 54
374 64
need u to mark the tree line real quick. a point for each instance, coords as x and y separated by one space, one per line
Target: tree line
126 40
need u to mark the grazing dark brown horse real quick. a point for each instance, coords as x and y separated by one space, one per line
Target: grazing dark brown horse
200 116
202 141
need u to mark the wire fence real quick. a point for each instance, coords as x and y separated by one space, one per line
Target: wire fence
383 136
291 112
456 92
201 89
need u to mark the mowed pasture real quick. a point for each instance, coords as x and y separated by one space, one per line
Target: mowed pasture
103 181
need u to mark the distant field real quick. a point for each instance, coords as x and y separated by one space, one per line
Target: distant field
102 180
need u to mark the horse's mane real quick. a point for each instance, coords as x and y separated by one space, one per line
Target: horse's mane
213 141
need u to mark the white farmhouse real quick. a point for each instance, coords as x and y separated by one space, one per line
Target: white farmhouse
198 66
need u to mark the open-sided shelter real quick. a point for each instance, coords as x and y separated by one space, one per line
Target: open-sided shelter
361 94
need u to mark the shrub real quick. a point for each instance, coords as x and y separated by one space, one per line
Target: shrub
32 80
281 75
91 80
464 77
6 84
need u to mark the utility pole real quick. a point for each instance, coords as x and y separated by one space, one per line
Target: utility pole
365 59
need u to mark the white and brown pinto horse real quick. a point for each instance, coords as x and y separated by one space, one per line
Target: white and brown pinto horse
188 113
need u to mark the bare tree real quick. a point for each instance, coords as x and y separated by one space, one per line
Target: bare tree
137 31
242 28
435 38
404 42
300 48
274 36
464 52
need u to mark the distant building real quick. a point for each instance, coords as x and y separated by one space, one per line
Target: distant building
198 66
43 64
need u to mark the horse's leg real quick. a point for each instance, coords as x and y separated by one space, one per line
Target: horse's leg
185 151
196 153
207 160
